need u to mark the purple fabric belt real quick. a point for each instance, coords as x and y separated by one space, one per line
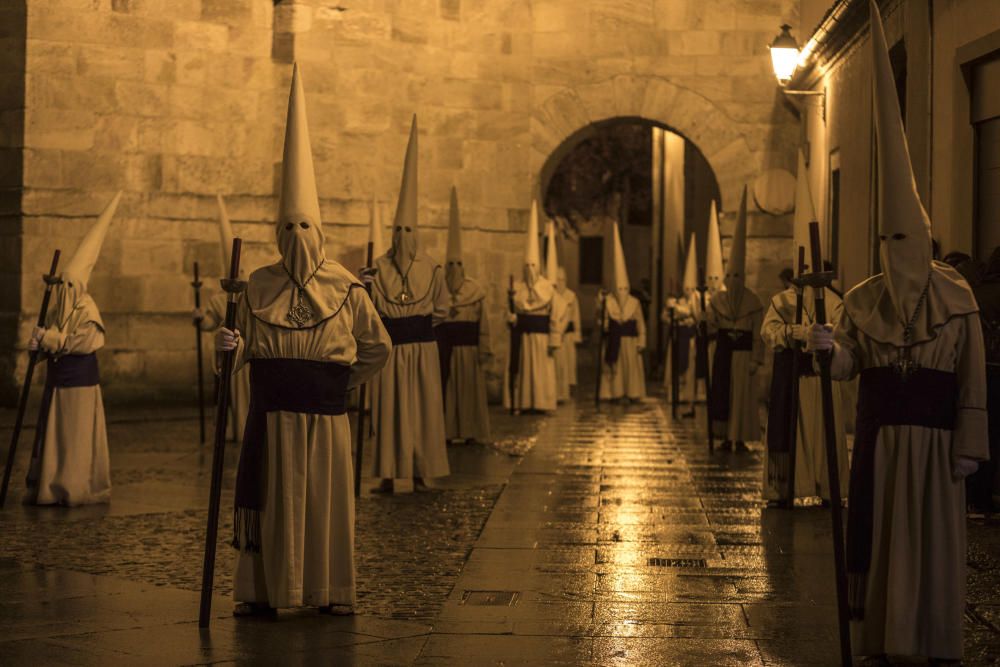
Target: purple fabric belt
726 342
926 398
616 331
289 385
449 336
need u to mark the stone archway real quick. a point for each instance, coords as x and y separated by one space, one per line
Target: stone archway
563 118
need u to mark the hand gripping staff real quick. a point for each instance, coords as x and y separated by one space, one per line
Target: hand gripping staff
819 280
234 287
196 284
703 354
51 280
360 437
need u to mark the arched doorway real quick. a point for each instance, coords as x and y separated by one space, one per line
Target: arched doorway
655 183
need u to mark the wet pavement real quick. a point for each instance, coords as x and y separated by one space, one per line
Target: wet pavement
585 537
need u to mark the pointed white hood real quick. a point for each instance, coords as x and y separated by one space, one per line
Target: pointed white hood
690 283
404 225
551 254
904 228
620 284
454 270
532 260
714 272
300 225
72 294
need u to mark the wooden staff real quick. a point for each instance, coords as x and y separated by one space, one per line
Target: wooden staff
675 380
702 346
233 286
819 280
196 284
360 436
793 418
600 346
51 280
513 363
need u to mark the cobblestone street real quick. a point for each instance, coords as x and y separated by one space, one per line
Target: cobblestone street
585 537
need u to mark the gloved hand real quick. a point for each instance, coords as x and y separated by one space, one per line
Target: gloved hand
799 332
36 338
553 349
820 338
963 467
367 275
511 319
197 315
226 340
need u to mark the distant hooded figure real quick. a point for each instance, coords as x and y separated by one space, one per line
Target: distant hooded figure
913 334
622 371
213 317
807 444
538 324
735 315
566 360
686 308
408 289
69 460
565 356
463 343
309 333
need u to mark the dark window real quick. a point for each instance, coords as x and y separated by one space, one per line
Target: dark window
897 57
834 250
985 116
591 260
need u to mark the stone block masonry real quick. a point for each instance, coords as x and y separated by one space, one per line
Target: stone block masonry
174 101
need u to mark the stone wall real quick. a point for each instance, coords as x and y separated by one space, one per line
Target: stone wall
176 100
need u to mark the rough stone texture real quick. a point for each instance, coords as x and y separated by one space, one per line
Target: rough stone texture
176 101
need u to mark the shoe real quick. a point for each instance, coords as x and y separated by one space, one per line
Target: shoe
384 487
418 484
741 446
247 609
726 446
337 610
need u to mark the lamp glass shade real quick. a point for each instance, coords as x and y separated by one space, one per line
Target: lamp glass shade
784 55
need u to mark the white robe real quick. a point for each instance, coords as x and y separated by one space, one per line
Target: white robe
811 478
307 524
408 414
566 372
466 411
627 377
915 595
73 466
743 424
535 382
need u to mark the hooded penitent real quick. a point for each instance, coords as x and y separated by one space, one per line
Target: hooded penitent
620 284
404 225
454 271
289 294
714 272
70 296
804 212
736 269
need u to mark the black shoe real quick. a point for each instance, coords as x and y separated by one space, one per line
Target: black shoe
248 609
384 487
741 446
726 446
337 610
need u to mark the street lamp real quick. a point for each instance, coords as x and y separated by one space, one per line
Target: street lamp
784 55
785 59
